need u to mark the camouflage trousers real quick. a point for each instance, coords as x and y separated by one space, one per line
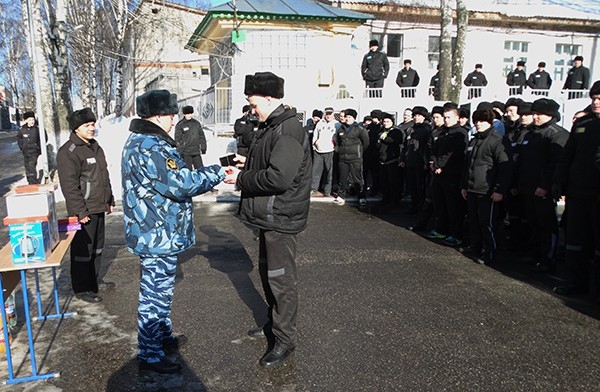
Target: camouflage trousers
157 282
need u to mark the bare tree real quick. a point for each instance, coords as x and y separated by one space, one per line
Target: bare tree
452 58
14 57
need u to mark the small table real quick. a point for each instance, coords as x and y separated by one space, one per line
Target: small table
10 275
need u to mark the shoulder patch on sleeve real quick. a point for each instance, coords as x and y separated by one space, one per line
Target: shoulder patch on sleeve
171 164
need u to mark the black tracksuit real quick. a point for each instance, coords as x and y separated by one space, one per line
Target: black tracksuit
390 145
191 142
487 170
351 141
537 155
448 154
579 176
28 139
414 157
375 68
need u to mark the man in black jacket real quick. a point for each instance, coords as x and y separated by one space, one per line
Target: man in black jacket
407 79
516 79
374 68
190 138
538 153
475 79
244 130
447 159
28 139
485 181
540 80
578 177
275 184
85 184
578 78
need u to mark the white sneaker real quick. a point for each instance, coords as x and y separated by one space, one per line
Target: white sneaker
339 201
363 202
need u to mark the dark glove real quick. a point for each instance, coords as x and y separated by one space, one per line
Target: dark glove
203 152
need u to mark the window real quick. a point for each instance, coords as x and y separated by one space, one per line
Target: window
278 50
514 52
433 50
391 44
564 59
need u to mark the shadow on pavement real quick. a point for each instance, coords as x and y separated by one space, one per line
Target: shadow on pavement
130 379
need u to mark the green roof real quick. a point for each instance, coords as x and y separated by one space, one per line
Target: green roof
270 10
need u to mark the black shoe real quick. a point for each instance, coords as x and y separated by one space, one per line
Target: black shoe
257 333
165 366
175 344
88 296
102 285
276 356
566 290
469 251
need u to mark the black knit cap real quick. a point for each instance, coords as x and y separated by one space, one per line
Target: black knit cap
80 117
27 115
155 102
187 109
266 84
545 106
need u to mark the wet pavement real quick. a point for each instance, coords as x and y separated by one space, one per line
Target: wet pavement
381 309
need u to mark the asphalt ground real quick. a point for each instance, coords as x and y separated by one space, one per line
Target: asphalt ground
381 309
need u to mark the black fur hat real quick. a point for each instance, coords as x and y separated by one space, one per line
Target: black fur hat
595 90
266 84
486 115
373 42
80 117
187 109
389 116
438 110
351 112
520 63
525 109
545 106
376 113
155 102
513 102
420 110
27 115
317 113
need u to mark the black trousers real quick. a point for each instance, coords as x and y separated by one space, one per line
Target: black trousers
449 205
416 178
30 168
277 268
193 161
86 254
482 212
582 241
351 178
390 183
541 216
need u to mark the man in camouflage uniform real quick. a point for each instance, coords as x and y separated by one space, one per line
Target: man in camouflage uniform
159 222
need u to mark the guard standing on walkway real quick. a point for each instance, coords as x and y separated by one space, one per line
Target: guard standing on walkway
578 175
578 78
275 184
85 184
516 79
28 139
159 220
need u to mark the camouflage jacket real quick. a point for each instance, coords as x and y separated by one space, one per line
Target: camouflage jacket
157 192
